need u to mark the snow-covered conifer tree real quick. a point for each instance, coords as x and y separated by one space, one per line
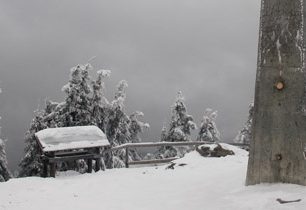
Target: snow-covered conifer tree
31 163
181 123
117 126
244 135
117 122
180 128
121 128
77 110
163 135
4 171
136 126
208 129
99 103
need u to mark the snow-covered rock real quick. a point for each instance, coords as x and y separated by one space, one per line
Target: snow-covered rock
213 150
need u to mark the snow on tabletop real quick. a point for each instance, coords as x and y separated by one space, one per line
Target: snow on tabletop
56 139
204 183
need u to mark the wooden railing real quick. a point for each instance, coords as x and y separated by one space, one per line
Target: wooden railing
159 144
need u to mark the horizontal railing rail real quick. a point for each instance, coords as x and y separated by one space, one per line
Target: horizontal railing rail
159 144
153 161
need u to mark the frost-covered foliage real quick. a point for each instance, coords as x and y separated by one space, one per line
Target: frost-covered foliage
208 129
4 171
121 128
31 164
117 121
163 135
181 123
117 126
180 128
86 104
77 109
99 102
137 126
244 135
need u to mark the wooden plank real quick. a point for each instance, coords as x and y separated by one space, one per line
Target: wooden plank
69 158
67 153
238 144
154 161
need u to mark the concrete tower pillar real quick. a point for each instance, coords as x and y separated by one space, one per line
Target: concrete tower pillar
278 132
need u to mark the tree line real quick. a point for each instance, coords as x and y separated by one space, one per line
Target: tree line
86 104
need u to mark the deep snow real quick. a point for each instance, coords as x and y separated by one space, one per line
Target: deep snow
204 183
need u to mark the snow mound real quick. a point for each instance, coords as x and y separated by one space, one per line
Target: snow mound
194 156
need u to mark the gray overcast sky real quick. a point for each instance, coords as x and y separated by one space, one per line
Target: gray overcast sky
206 48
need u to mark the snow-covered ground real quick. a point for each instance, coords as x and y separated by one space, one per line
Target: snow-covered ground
204 183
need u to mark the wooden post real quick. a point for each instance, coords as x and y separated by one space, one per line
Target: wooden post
127 157
89 165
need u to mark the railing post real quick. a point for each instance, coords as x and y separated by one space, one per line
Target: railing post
127 157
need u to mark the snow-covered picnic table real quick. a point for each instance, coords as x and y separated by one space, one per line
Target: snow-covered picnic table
71 143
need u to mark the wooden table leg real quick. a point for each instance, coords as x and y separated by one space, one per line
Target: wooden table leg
45 168
89 164
52 169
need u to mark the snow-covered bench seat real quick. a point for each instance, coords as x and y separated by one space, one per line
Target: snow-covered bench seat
71 143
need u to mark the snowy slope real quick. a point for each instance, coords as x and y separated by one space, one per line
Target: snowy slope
204 183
